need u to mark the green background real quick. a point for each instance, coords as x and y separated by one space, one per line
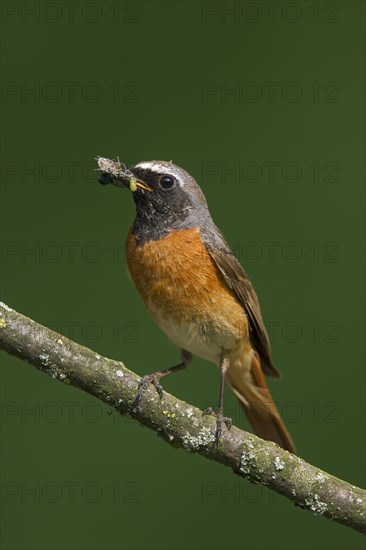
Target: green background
160 55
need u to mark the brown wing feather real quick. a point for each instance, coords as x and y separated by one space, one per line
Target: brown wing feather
236 279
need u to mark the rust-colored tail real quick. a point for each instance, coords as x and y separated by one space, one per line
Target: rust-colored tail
253 394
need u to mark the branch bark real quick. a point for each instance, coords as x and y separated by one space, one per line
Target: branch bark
181 424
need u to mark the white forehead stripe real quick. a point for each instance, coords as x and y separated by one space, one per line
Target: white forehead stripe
158 167
153 166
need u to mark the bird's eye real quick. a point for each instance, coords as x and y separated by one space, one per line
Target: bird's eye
166 182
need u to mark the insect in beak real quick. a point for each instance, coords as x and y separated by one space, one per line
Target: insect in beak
115 172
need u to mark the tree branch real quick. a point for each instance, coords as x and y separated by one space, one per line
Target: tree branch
180 424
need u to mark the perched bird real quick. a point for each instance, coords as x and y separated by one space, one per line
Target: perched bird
196 290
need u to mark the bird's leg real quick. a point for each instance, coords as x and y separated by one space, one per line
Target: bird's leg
220 418
154 378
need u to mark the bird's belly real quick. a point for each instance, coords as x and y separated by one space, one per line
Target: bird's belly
190 337
204 337
184 293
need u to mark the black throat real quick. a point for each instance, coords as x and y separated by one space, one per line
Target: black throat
156 220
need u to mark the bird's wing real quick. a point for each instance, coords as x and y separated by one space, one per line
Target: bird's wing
237 280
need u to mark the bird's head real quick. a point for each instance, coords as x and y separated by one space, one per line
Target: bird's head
166 196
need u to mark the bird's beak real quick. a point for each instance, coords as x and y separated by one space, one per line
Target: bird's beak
123 181
134 183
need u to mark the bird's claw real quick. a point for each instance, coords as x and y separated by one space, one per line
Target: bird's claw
228 422
145 383
219 420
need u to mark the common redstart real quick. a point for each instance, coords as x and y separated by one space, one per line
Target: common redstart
196 290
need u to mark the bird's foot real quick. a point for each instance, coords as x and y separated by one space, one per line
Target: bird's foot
145 382
220 418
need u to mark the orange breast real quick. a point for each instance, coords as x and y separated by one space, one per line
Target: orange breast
178 280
